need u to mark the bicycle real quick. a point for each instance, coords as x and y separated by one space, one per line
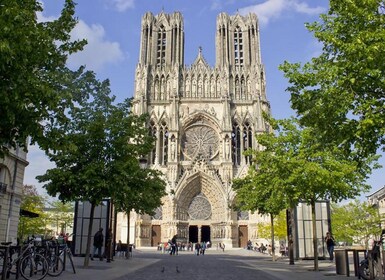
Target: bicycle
65 252
31 265
374 266
49 250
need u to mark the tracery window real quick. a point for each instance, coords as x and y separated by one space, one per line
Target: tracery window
243 215
158 214
163 143
200 141
236 144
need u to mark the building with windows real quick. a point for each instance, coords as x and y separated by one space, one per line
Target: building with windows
203 118
12 168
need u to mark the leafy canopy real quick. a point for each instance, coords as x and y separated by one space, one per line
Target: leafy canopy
36 86
341 93
355 222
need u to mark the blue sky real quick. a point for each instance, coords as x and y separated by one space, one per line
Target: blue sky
112 28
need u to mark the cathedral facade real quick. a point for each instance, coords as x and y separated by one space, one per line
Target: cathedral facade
203 118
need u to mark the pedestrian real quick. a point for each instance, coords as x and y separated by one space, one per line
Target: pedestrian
173 245
282 249
108 249
203 248
119 249
330 243
98 244
197 248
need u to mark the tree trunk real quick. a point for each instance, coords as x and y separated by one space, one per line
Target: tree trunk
289 217
88 247
315 241
272 236
128 236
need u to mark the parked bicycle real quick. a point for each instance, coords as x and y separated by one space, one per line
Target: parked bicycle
29 264
374 266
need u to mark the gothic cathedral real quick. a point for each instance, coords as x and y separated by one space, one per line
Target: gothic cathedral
203 118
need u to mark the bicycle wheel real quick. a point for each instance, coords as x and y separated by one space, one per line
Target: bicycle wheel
55 265
33 267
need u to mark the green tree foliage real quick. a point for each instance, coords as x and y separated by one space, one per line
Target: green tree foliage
36 86
355 222
295 166
61 215
35 203
341 92
136 188
95 160
280 227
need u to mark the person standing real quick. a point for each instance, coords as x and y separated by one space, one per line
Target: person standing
108 250
174 245
98 244
330 243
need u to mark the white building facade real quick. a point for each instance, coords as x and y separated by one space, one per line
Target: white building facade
12 167
203 118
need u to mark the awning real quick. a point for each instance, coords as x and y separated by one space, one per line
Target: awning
29 214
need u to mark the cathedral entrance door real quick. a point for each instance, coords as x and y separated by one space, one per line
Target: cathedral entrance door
155 235
205 233
243 236
193 234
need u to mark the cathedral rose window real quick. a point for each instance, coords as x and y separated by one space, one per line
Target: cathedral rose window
200 208
200 141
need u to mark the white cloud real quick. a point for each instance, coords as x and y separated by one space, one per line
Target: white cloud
122 5
273 9
98 51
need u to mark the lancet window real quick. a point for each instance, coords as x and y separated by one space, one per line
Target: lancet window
236 144
161 47
247 139
163 143
153 133
238 46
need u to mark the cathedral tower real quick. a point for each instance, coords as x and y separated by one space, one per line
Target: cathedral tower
203 118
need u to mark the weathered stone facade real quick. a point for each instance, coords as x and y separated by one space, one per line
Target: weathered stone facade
203 118
12 168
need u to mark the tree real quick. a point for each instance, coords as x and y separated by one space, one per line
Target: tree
61 215
261 189
341 92
36 86
82 154
34 203
355 222
135 188
94 158
295 166
280 227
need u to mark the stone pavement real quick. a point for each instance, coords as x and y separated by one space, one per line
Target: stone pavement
239 264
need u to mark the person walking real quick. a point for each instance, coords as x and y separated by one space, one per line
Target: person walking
197 248
330 243
98 244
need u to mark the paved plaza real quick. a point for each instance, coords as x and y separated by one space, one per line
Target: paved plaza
237 264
